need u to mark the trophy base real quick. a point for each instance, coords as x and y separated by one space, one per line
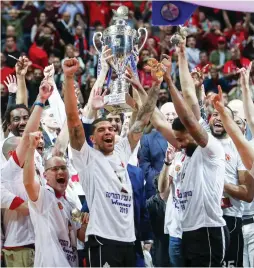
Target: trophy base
118 103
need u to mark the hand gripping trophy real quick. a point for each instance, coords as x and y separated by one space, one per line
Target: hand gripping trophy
123 41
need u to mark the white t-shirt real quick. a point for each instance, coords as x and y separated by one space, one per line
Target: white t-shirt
172 224
55 232
202 187
18 228
248 208
233 165
110 200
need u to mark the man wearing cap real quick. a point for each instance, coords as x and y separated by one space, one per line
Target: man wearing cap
221 55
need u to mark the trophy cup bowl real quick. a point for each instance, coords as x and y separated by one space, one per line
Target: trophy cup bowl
77 215
121 38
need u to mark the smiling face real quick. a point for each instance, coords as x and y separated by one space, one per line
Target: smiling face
216 126
116 122
56 173
103 137
18 121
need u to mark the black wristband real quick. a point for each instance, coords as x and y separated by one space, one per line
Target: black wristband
167 163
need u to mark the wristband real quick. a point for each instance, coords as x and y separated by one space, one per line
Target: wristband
42 105
147 242
167 163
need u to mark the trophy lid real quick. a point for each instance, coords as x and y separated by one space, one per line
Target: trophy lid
121 13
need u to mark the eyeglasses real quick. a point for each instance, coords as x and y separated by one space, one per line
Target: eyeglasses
57 168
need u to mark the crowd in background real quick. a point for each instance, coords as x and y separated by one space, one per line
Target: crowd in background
53 41
50 31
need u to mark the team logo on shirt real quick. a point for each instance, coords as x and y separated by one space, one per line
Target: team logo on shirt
227 157
177 168
60 205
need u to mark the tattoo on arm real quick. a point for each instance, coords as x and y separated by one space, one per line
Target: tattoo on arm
77 137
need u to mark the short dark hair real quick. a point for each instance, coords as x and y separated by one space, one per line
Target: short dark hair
95 122
178 125
13 37
40 41
7 116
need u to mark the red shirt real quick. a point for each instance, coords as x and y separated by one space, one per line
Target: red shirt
115 4
206 70
5 71
38 56
98 12
230 66
145 78
238 38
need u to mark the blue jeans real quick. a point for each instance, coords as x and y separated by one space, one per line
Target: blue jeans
175 252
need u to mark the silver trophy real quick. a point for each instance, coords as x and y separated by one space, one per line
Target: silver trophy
77 215
123 41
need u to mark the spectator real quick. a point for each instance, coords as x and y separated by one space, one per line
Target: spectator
209 40
11 32
71 52
230 67
80 42
5 70
37 53
58 77
248 51
204 62
221 55
192 52
99 12
17 18
204 22
72 8
64 28
80 20
211 84
11 49
50 11
41 21
163 97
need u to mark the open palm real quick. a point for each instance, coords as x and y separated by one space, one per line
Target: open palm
98 99
11 83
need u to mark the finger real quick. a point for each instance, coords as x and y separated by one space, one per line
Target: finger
6 84
8 79
109 57
99 91
105 92
250 66
127 78
220 92
14 79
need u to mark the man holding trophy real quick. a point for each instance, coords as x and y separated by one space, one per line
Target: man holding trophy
110 233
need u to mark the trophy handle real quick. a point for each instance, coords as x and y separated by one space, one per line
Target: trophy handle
139 36
95 34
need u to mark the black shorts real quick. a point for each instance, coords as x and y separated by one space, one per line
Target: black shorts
205 247
116 254
234 253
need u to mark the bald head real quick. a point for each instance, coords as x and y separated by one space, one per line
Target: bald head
168 110
10 145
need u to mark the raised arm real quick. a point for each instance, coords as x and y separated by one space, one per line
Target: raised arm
245 150
145 112
76 131
184 112
248 105
31 185
165 180
34 121
21 70
106 55
157 119
226 19
187 83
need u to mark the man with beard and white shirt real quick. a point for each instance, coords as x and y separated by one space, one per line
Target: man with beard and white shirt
103 174
204 229
19 233
232 205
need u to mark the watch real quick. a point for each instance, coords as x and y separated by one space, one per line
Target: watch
42 105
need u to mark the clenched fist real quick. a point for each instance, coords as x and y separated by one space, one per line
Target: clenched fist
22 65
34 139
70 67
45 91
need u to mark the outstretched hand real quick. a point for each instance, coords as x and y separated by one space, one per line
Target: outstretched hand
132 78
11 83
106 57
70 67
218 101
245 75
97 101
22 65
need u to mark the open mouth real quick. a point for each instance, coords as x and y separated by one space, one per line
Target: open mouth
108 140
60 180
40 149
